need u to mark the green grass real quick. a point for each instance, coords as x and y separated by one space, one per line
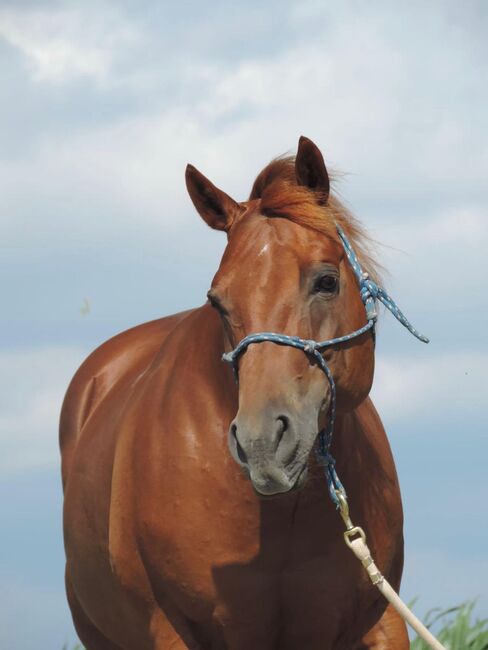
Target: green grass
456 629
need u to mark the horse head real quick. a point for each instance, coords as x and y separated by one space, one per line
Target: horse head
285 270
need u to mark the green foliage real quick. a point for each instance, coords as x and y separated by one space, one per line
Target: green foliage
455 629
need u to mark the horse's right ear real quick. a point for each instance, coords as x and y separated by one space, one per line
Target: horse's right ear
215 207
310 168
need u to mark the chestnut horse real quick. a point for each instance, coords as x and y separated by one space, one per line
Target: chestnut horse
195 514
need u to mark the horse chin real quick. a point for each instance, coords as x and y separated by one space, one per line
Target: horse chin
271 485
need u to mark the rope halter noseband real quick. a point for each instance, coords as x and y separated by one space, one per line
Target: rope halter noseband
370 293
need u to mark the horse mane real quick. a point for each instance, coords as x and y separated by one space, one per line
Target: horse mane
281 196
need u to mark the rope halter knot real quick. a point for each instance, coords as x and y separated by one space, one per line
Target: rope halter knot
310 346
369 292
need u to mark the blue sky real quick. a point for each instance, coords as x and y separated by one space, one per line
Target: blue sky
104 103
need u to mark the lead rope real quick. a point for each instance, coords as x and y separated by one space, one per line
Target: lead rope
370 292
354 536
355 539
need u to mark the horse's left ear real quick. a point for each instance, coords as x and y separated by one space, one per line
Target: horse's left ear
310 169
215 207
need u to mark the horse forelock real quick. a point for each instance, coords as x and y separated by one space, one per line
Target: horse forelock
280 196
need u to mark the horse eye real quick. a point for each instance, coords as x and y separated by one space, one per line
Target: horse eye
326 284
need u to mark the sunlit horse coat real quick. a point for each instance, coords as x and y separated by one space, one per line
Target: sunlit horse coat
169 540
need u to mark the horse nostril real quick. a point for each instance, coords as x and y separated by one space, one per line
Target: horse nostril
283 425
240 451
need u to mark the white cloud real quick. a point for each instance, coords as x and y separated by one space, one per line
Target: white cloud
378 106
438 577
438 261
32 386
452 382
463 225
63 44
348 85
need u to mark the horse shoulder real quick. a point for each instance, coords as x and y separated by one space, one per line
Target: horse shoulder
128 353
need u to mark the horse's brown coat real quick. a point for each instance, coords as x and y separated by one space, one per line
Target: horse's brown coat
167 543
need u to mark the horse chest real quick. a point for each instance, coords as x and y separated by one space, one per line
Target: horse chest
258 572
245 569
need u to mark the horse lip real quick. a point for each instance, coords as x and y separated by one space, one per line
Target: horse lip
292 484
270 486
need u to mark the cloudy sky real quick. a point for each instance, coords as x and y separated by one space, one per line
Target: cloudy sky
104 103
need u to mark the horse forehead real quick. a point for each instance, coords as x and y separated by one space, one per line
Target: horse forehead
270 252
260 237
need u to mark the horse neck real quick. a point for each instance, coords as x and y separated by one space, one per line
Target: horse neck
364 460
195 348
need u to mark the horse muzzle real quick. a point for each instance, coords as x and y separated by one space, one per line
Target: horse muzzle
270 451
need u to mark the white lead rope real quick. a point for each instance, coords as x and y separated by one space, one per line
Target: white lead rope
355 538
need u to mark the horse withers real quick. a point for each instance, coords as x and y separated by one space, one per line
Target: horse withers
195 514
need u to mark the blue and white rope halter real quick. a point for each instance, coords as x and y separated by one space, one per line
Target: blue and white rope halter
370 292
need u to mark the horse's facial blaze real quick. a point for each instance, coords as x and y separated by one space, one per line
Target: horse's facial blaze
278 276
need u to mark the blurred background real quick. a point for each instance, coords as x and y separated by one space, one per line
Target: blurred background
103 103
